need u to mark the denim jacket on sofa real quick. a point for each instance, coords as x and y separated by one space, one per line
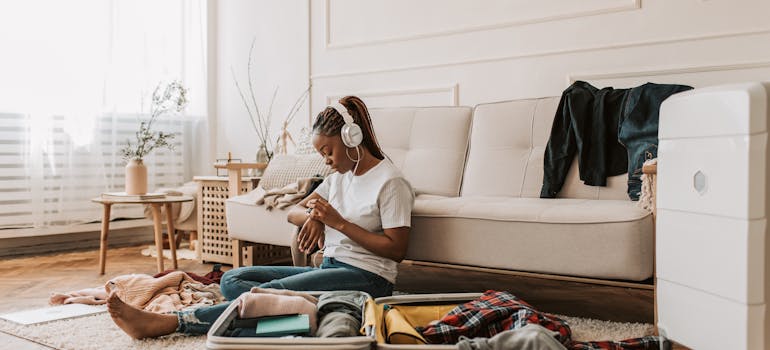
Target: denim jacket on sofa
613 131
638 128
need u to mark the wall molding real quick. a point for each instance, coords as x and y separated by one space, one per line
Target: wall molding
451 90
630 5
542 54
587 76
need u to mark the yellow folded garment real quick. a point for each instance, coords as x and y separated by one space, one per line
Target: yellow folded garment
373 320
396 325
399 330
421 315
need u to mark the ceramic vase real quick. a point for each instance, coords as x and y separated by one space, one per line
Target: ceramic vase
262 157
136 177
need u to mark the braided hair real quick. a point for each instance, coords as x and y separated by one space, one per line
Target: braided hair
329 123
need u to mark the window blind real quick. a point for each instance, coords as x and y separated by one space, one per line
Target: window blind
47 178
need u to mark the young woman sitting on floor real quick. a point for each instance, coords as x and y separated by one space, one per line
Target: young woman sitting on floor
360 214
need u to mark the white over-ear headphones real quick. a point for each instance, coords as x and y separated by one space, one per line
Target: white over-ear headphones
350 133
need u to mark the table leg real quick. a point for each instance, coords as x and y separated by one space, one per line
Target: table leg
103 240
171 232
157 221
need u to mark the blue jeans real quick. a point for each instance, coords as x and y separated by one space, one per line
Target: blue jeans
332 275
638 128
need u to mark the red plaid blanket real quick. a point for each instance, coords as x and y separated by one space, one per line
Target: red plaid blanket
495 312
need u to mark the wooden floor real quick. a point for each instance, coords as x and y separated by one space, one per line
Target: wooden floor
26 283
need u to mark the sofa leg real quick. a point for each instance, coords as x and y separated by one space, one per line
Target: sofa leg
298 258
237 253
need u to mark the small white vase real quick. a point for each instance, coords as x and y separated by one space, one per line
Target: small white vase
136 177
262 157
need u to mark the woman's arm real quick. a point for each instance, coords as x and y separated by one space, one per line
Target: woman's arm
311 231
298 213
392 244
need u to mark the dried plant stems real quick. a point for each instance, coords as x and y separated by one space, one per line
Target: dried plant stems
264 121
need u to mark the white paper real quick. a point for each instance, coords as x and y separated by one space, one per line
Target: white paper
52 313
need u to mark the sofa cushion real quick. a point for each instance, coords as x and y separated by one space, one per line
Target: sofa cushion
284 169
505 156
428 145
589 238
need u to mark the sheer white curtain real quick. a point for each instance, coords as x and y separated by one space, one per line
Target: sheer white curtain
75 80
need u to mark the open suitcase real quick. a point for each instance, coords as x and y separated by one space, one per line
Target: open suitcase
374 318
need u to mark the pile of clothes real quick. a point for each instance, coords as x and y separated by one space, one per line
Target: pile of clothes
495 320
499 320
332 314
612 131
164 292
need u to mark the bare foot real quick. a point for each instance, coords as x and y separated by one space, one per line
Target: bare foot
139 323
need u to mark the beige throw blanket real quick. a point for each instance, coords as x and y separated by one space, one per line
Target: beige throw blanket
280 198
89 296
172 292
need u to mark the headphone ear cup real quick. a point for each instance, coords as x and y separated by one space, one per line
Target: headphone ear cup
351 135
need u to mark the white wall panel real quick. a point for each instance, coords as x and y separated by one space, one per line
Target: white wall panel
416 97
690 75
280 59
655 22
459 52
347 25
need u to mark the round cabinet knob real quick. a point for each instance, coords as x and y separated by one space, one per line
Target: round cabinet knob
699 182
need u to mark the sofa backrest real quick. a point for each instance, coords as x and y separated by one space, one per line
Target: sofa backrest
428 144
505 156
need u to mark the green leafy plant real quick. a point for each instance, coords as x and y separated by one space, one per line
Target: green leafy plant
167 98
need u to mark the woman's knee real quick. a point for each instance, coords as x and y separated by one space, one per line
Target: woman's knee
230 284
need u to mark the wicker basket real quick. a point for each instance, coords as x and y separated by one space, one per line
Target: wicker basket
212 226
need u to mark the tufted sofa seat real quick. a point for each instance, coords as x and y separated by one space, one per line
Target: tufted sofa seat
477 173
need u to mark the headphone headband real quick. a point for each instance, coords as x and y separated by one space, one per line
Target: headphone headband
343 111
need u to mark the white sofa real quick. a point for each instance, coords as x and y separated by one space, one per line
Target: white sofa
477 173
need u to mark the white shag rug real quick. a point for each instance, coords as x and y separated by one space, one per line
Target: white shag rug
181 253
95 332
99 332
586 329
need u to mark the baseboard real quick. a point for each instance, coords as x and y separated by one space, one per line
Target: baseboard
43 244
614 283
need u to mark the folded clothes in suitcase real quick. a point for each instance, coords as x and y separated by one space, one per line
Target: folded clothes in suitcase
410 322
384 320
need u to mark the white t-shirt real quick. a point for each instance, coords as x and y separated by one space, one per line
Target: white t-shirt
379 199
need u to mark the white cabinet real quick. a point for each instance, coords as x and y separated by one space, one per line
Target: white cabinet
712 245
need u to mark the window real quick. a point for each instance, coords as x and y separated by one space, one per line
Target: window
76 80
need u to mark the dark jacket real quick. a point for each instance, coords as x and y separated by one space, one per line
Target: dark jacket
595 124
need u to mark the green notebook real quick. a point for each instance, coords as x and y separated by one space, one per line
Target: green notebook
278 326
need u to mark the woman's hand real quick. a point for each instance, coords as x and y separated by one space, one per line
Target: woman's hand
325 213
311 233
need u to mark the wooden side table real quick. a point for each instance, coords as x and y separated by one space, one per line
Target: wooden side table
157 221
234 178
213 239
